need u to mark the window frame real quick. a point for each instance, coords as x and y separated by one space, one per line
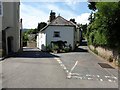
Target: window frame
56 34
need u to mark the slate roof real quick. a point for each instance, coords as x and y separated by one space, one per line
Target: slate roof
59 21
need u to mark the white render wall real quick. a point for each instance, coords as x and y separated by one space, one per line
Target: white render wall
41 41
10 19
66 34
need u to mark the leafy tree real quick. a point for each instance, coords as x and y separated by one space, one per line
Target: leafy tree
84 29
104 28
41 25
73 20
92 6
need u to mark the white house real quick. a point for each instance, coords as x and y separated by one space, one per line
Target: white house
58 30
9 27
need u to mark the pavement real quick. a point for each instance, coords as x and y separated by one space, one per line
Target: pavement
36 69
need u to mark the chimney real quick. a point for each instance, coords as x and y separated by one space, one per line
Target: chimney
52 15
73 20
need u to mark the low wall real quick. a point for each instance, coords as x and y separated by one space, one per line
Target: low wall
106 53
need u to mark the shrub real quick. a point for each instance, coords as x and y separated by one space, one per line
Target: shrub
66 49
48 48
99 39
55 47
95 51
110 59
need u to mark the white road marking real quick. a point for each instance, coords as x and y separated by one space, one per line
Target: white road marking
62 65
109 80
90 78
101 79
74 74
87 76
67 71
74 66
115 77
98 76
70 73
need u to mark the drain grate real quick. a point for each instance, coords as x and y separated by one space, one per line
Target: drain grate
104 65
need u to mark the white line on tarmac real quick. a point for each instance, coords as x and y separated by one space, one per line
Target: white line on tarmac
74 66
76 75
62 65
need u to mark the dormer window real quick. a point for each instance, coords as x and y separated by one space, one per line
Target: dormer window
56 34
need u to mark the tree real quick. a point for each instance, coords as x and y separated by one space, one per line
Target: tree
104 28
73 20
84 29
41 25
91 17
92 6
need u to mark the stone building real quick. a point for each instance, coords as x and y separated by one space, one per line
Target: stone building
9 27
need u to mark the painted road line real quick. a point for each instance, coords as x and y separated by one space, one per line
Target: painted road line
62 65
87 76
74 66
101 80
70 73
74 74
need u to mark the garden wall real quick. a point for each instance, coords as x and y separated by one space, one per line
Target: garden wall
108 54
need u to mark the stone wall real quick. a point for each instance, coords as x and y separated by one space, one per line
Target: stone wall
108 54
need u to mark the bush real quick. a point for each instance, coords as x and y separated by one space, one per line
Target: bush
91 38
66 49
55 47
95 51
110 59
48 48
99 39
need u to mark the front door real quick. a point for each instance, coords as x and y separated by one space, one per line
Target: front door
10 41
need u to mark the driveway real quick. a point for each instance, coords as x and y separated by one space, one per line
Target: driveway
35 69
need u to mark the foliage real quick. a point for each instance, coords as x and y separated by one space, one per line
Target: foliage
48 48
91 17
66 49
55 47
84 29
40 26
103 29
25 34
92 5
25 37
110 59
73 20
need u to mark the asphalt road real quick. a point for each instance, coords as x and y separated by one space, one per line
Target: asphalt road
35 69
88 70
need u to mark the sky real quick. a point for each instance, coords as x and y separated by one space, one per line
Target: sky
33 13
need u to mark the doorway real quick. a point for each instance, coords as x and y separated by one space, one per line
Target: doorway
10 44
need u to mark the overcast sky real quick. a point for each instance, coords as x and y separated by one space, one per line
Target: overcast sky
33 13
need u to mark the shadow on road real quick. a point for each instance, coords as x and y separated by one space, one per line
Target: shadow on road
33 53
81 47
80 50
83 43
